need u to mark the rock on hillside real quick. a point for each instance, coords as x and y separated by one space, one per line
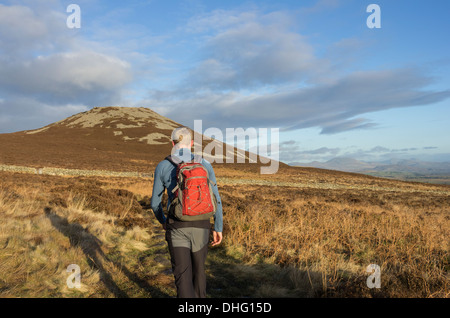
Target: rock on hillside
103 138
114 138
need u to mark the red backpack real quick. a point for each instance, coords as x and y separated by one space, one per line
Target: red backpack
193 195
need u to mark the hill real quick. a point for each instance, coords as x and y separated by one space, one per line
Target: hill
302 232
340 163
107 138
114 138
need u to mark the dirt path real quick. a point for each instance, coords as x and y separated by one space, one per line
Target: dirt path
228 275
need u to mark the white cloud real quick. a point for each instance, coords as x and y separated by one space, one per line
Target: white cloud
46 68
19 25
253 69
36 28
250 49
293 151
256 71
65 76
334 107
22 113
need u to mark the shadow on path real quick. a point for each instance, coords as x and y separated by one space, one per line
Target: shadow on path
230 277
91 247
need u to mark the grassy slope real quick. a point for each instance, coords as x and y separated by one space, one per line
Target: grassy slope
303 232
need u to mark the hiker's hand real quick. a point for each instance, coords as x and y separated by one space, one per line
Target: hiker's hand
217 238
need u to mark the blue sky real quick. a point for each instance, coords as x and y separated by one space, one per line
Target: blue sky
313 69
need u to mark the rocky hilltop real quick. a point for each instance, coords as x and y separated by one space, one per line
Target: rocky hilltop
107 138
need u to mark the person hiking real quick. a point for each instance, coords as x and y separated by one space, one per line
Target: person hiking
187 235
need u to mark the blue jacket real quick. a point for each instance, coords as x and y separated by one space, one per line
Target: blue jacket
165 178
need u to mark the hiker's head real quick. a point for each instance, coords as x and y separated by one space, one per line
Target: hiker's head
182 137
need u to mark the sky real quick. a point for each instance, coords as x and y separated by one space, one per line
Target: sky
312 69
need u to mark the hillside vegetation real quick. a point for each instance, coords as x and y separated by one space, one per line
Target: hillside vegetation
77 192
299 233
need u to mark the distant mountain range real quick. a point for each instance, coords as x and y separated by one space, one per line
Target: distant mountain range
340 163
395 168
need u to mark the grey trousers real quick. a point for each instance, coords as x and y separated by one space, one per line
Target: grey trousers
188 248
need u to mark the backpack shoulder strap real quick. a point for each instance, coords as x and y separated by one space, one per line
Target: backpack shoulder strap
197 158
174 160
176 163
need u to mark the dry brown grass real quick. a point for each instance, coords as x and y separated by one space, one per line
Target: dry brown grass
336 234
304 232
301 232
41 235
